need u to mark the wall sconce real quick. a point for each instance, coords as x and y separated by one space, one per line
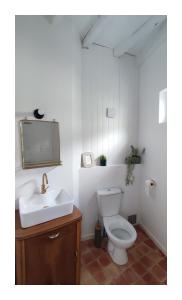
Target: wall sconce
38 113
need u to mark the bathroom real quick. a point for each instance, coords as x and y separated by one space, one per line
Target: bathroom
101 82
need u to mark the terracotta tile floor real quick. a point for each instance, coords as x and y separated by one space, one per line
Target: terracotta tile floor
146 264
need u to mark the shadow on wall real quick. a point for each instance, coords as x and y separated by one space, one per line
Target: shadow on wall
112 144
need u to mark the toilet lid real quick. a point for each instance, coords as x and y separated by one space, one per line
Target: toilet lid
121 234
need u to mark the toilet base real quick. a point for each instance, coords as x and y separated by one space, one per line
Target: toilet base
118 255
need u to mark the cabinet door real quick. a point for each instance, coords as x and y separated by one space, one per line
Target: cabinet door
51 258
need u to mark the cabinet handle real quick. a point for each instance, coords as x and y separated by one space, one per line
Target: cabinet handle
54 236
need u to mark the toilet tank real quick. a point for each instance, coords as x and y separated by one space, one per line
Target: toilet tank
109 200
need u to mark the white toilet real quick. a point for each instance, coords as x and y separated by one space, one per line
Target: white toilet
121 233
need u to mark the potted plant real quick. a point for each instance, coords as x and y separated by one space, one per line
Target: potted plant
103 160
133 158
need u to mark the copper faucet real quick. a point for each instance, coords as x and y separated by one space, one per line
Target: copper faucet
43 187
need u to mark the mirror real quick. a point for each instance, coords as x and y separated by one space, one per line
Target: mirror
40 143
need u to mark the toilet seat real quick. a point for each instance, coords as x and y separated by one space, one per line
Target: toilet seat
121 234
120 231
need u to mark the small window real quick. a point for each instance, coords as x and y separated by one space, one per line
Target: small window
163 106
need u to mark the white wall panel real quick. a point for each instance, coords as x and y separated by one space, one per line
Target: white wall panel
109 82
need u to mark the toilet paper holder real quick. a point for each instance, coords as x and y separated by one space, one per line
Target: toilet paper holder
152 182
150 187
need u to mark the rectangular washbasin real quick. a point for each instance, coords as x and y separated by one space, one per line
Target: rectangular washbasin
40 208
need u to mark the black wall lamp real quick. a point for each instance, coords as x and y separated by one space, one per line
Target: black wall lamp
38 114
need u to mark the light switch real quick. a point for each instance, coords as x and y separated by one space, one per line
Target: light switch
110 112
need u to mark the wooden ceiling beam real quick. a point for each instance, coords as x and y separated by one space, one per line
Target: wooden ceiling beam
94 31
145 29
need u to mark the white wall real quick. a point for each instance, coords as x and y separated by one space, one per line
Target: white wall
153 73
48 75
76 115
108 82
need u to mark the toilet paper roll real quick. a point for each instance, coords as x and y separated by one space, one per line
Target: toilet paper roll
149 186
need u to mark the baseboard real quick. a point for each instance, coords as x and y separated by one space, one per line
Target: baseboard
148 232
87 237
153 238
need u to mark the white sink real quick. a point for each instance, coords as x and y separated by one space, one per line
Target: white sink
40 208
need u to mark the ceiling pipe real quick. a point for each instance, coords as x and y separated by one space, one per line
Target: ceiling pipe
146 28
94 31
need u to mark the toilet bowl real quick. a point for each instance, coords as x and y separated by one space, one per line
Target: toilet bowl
121 235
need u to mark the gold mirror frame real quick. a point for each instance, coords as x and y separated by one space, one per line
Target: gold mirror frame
40 164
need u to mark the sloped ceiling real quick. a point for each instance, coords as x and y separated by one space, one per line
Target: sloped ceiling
122 33
117 28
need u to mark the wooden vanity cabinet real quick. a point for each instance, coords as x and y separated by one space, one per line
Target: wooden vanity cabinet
49 253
